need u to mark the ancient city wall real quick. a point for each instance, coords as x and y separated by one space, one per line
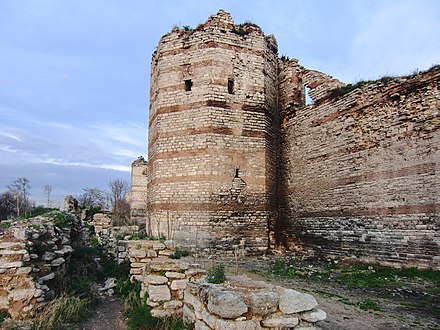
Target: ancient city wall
360 171
211 164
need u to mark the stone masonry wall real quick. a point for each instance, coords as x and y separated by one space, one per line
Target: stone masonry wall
162 278
113 239
360 172
32 254
211 156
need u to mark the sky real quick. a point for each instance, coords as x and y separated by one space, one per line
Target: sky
74 75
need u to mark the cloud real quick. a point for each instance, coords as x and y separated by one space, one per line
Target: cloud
397 38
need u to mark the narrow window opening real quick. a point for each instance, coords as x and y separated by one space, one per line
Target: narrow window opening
309 100
188 85
231 86
236 173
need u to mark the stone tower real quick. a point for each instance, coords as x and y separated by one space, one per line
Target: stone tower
211 152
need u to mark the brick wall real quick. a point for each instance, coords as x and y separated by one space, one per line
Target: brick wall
360 173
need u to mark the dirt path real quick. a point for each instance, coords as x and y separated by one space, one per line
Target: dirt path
108 316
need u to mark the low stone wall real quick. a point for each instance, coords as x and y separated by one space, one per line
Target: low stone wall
111 238
32 253
242 303
176 288
162 278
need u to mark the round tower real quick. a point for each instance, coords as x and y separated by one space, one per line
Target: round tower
211 151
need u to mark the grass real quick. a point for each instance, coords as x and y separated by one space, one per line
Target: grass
413 289
365 276
39 210
143 236
60 312
338 92
369 304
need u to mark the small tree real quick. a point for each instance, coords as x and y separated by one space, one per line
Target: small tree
47 191
93 199
20 189
119 205
7 205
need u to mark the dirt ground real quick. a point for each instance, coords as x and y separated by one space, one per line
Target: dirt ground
337 301
108 316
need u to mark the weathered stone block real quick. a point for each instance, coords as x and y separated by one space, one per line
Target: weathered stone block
200 325
226 304
159 293
292 301
236 325
137 253
263 302
179 284
314 316
174 275
280 322
173 304
155 279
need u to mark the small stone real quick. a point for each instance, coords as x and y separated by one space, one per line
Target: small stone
174 275
179 284
209 318
188 315
7 265
48 256
154 279
314 316
48 277
137 253
236 325
151 254
164 313
22 294
57 262
280 322
169 244
172 304
200 325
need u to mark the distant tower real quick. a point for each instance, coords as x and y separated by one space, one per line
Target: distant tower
138 197
211 151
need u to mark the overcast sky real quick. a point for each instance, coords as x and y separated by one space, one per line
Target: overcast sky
74 75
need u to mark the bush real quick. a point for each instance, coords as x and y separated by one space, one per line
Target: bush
216 275
39 210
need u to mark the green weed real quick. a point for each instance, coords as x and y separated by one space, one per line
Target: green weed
178 253
3 315
216 275
368 304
